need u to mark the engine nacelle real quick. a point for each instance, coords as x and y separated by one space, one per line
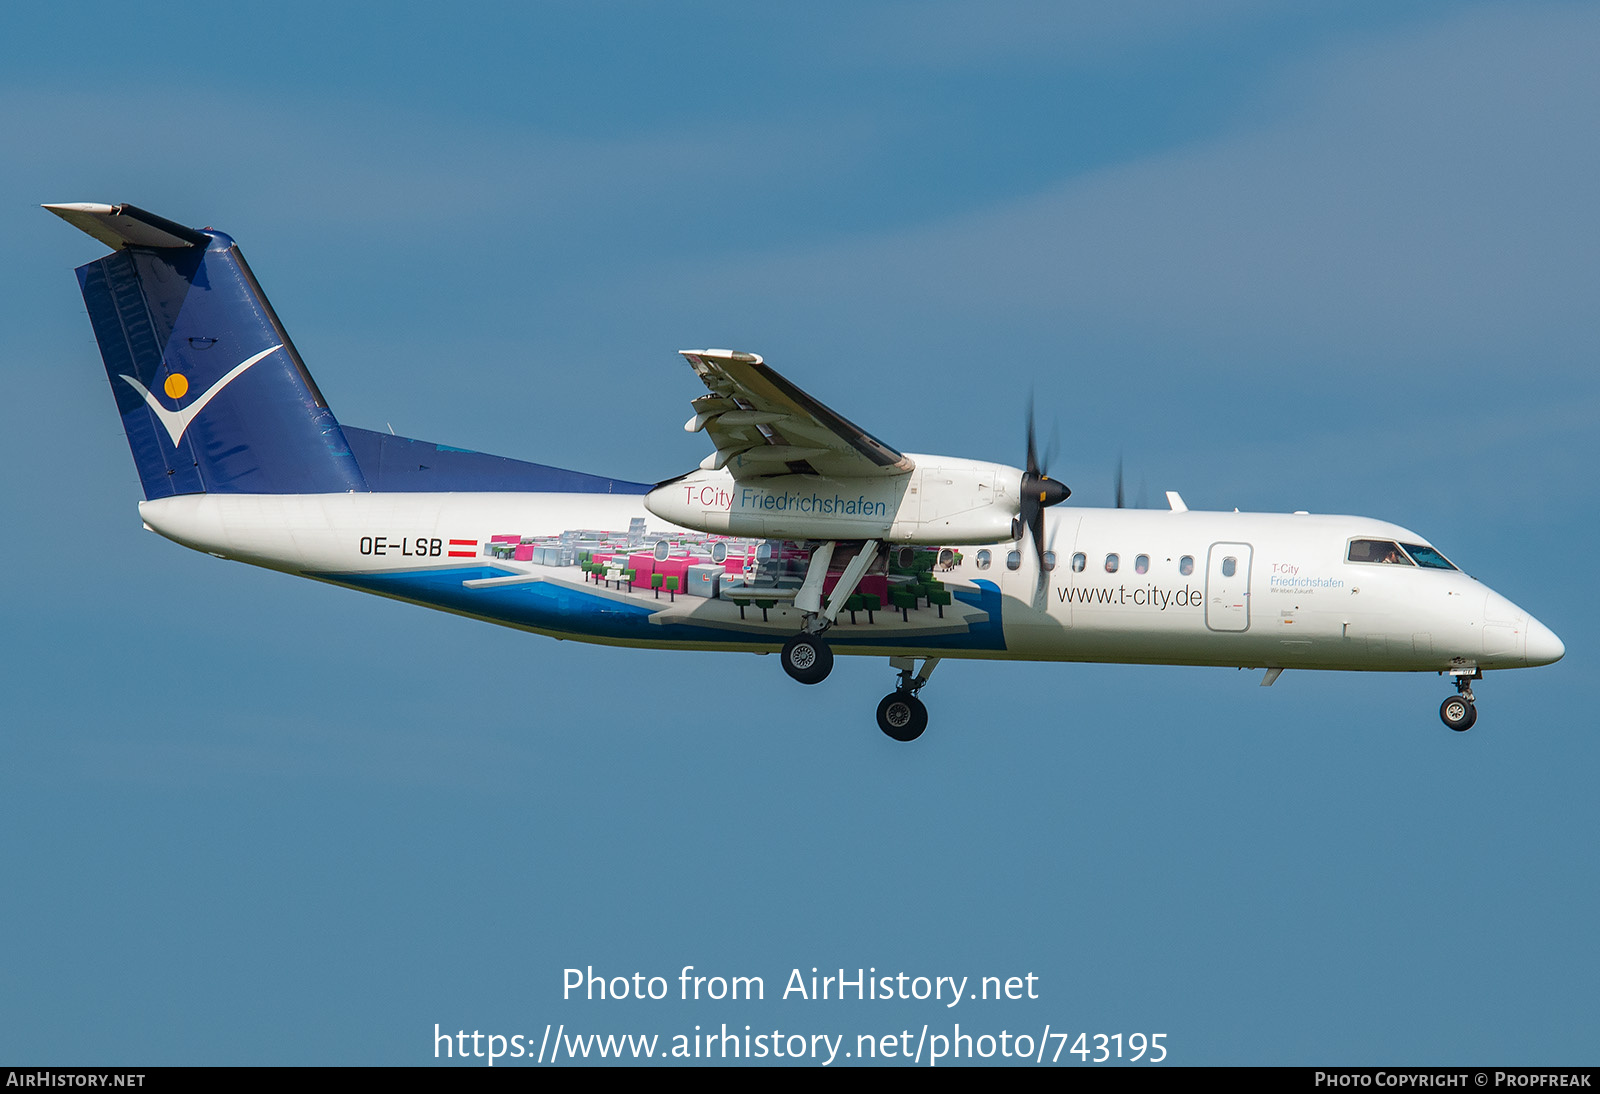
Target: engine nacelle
943 501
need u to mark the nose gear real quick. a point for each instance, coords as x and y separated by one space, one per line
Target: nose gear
1460 711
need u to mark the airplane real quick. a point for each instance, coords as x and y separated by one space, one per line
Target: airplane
801 533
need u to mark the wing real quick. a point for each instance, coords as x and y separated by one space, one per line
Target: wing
764 425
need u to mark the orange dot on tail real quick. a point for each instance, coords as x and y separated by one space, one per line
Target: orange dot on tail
176 385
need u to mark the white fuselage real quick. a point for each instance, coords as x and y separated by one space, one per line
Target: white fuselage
1261 589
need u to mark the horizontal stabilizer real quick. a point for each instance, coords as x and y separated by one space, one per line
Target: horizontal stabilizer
119 226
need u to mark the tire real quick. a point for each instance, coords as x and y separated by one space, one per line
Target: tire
902 716
807 658
1457 713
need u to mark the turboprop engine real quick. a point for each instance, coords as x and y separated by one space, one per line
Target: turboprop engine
941 501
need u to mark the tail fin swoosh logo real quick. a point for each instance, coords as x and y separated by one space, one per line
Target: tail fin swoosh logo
177 421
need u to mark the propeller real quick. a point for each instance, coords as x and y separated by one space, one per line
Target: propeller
1121 493
1039 492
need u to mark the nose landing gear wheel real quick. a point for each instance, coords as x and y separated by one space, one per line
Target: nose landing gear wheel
807 658
1458 713
902 716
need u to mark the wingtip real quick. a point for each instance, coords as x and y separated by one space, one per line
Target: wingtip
62 208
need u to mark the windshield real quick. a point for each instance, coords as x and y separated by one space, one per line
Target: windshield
1377 550
1427 556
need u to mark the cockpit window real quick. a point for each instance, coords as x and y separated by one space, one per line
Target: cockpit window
1378 550
1426 556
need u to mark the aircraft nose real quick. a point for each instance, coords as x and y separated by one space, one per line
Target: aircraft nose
1544 647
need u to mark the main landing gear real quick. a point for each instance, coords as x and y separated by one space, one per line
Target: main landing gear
901 714
1460 711
806 657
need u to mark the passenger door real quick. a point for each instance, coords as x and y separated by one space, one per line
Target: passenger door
1228 587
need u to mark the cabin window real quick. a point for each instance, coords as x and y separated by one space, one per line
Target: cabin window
1427 557
1014 560
1385 551
1230 566
983 560
1048 560
1112 562
1141 565
1079 561
1186 565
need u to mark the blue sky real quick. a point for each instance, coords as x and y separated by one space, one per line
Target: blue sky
1325 257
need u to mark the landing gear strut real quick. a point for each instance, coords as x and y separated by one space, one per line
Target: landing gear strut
1460 711
806 656
901 714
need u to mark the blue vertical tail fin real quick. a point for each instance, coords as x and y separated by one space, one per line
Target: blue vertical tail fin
213 395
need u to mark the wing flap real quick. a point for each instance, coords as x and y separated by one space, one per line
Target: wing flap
762 424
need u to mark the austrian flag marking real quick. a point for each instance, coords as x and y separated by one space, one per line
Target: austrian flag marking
457 543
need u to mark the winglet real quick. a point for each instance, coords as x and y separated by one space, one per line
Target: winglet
1176 502
119 226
